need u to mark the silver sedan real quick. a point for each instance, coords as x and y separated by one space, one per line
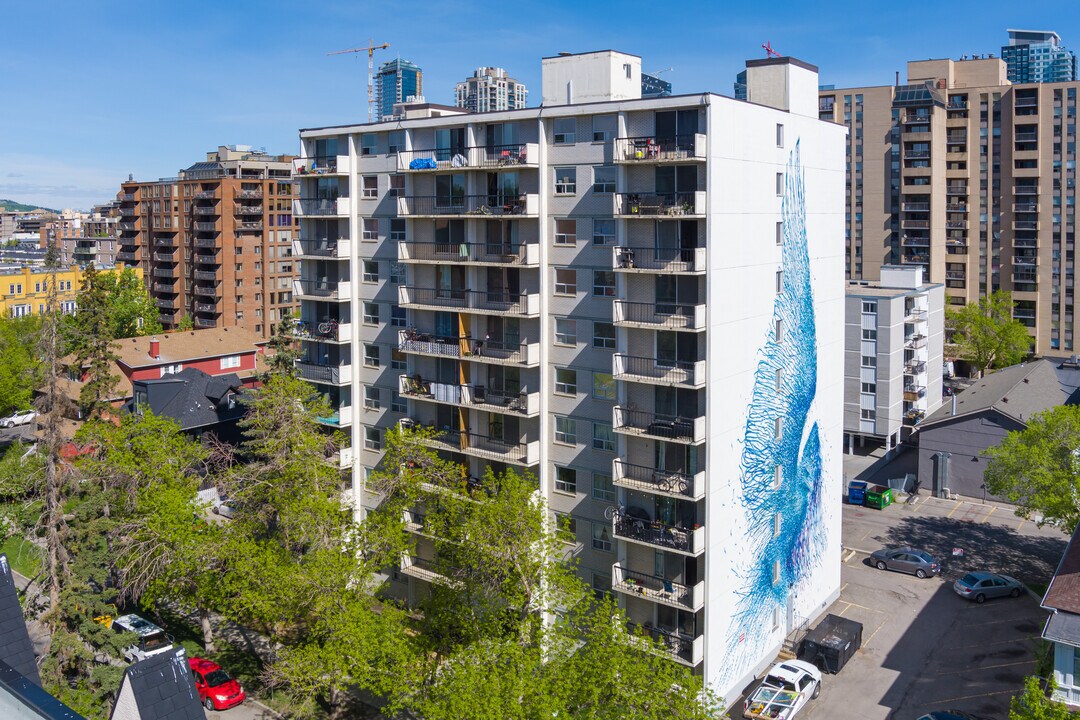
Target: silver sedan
981 586
917 562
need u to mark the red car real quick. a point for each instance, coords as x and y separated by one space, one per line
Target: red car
217 690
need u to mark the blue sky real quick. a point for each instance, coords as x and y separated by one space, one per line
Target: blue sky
95 90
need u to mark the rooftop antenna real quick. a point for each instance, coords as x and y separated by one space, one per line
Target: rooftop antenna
768 48
370 49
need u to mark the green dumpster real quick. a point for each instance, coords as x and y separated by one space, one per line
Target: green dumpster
878 496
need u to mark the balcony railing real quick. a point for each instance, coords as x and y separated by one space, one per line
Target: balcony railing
487 350
127 256
916 154
165 288
248 210
332 289
914 241
206 226
127 226
648 205
496 156
204 211
497 301
316 372
494 205
324 247
658 482
204 322
165 272
207 259
322 165
325 331
321 206
1025 277
645 423
658 372
915 367
651 149
207 242
681 648
248 194
661 590
206 308
250 225
206 195
165 257
1025 190
915 341
490 448
916 207
478 396
207 275
668 260
126 197
690 541
915 224
482 252
1026 207
128 212
659 315
208 291
1025 225
956 189
1026 137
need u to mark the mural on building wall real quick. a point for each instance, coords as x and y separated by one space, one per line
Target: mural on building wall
783 513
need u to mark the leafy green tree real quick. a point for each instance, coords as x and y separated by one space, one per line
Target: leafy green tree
1034 704
18 361
284 346
89 338
986 334
132 313
1038 468
185 323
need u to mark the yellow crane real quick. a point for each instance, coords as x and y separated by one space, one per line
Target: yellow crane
370 49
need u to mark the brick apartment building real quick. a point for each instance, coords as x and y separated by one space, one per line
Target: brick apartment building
215 242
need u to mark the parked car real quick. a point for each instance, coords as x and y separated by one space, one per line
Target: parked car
21 417
980 586
789 685
152 639
224 508
217 690
950 715
919 563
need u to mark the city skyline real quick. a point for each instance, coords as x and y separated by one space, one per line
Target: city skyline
85 120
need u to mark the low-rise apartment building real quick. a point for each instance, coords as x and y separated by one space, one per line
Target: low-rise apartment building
24 291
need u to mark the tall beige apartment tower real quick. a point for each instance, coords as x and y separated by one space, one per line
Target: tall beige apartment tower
971 177
215 243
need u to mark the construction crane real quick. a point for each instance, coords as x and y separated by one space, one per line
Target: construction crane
769 52
370 49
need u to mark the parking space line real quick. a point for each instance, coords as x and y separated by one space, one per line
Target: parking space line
958 504
842 588
992 509
1020 524
944 701
984 667
863 607
867 641
841 613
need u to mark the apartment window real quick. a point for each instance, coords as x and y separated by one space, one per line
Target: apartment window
603 283
602 487
373 438
869 306
371 397
398 361
565 430
779 135
567 525
565 331
603 437
604 127
397 316
868 388
601 537
397 229
867 414
395 141
869 361
778 330
779 281
371 229
778 477
165 369
603 335
603 232
371 271
777 525
565 232
371 355
603 386
367 144
397 403
370 186
397 272
565 381
565 131
869 334
778 428
779 378
604 179
230 361
397 186
565 181
779 184
565 281
779 233
565 480
776 563
371 313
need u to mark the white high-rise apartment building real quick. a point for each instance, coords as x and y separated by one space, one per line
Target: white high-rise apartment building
638 301
489 89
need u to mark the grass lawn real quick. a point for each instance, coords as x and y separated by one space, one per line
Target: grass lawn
24 556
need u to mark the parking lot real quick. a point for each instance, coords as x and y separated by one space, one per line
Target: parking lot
925 648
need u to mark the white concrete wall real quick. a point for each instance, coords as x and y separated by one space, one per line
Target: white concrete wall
591 77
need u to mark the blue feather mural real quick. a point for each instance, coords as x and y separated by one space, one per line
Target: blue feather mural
781 466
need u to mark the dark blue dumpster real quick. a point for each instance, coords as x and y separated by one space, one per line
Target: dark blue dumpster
856 492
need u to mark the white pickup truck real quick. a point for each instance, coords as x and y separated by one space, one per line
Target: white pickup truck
789 685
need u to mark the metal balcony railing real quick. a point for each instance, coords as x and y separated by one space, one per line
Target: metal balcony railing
165 272
667 592
204 322
323 247
660 482
665 427
126 197
207 259
248 210
916 207
490 300
127 256
165 288
206 308
426 343
490 448
915 367
165 257
473 157
655 533
206 195
208 291
664 259
317 288
1026 207
317 206
680 148
659 314
318 372
468 395
206 242
956 189
916 154
497 205
207 275
204 211
493 252
206 226
1025 190
248 194
658 371
673 204
330 330
681 648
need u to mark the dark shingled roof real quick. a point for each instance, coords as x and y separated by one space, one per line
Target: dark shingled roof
15 647
163 688
193 398
1064 591
1017 392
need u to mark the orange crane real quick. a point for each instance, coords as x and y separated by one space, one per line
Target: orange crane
370 49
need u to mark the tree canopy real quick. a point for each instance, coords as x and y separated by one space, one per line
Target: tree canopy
1034 704
1038 468
18 361
985 333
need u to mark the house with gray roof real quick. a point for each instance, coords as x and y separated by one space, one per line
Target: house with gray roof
954 439
158 688
196 401
1062 628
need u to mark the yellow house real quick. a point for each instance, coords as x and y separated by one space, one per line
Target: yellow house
23 291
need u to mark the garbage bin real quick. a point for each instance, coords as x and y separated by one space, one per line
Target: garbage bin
856 492
832 643
878 496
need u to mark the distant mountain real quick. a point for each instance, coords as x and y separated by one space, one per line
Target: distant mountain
12 206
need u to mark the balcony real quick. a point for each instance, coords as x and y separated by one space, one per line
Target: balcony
210 291
165 303
682 648
206 226
644 423
659 260
1025 224
324 248
466 396
659 590
165 288
956 190
956 207
322 289
425 570
205 322
250 226
210 275
167 241
341 418
204 211
914 241
320 207
488 351
658 482
1021 137
248 194
489 301
209 308
248 210
322 165
206 259
127 226
1026 207
916 207
165 272
128 212
913 393
916 118
206 195
915 259
493 253
517 155
327 374
914 367
654 205
653 315
164 257
915 224
126 197
650 149
956 224
915 341
417 206
207 242
915 314
916 154
654 371
1025 190
482 446
130 257
329 331
655 534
